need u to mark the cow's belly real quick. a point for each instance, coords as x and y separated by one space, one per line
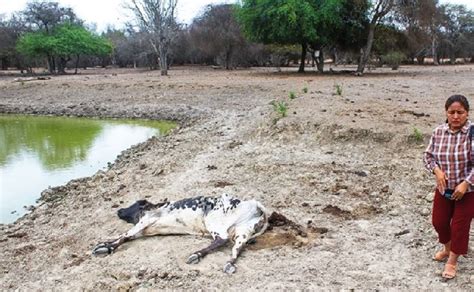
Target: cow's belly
184 221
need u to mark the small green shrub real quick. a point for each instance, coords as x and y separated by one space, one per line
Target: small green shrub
281 108
417 135
305 89
338 89
393 59
292 95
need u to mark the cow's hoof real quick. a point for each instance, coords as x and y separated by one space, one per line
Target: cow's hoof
229 268
193 259
102 249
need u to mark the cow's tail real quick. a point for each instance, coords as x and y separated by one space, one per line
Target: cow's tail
263 223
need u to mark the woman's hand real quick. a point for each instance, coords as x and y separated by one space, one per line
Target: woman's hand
440 179
460 190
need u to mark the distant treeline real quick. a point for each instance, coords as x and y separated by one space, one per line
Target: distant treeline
254 33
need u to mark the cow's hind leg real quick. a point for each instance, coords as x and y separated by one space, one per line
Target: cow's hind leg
198 255
137 231
243 234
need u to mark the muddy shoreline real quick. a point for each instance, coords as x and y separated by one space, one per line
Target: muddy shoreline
349 165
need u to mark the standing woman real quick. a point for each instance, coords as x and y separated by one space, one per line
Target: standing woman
449 157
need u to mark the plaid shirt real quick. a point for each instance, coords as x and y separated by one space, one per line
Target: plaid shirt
452 153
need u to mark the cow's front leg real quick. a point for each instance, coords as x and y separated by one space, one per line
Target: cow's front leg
109 247
137 231
197 256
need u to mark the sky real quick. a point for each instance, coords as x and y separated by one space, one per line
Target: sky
111 12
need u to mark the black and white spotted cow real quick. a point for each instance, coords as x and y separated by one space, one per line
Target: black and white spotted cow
224 218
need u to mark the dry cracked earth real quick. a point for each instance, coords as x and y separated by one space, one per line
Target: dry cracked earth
345 168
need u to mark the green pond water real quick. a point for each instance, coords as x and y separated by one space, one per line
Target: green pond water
39 152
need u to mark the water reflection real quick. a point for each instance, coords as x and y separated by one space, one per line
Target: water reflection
57 142
38 152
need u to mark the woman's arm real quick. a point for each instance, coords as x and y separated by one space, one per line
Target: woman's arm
433 167
428 157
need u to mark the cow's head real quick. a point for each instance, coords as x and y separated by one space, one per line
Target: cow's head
136 211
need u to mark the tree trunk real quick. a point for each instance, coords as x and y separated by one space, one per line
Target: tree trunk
276 61
51 65
163 59
433 51
452 59
77 64
228 59
4 62
366 50
320 61
382 7
62 65
304 48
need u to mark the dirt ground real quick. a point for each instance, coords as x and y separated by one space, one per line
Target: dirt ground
348 168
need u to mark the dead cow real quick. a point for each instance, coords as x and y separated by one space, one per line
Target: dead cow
224 218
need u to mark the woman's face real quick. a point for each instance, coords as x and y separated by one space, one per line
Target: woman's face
457 116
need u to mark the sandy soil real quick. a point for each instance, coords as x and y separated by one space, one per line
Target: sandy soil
346 167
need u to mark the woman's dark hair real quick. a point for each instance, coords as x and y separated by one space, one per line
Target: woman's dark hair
457 98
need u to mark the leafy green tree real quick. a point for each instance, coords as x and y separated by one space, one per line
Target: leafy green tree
352 34
45 16
65 41
36 44
287 22
72 40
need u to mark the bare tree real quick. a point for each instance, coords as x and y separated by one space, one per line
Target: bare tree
217 33
413 16
157 17
380 8
47 15
457 32
10 30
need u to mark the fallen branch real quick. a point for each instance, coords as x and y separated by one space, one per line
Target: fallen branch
31 79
